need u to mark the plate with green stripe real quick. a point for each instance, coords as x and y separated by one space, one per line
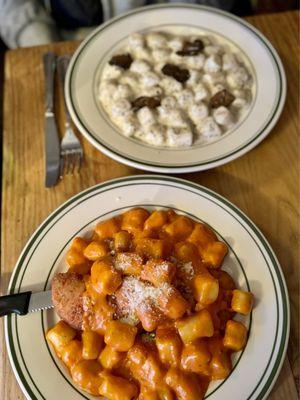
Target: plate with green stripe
250 261
85 96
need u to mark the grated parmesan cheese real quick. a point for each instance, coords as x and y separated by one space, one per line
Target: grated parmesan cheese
123 261
187 269
137 293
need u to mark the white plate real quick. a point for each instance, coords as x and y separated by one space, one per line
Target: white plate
83 71
250 260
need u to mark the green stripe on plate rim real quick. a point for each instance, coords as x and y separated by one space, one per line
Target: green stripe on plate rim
200 190
280 100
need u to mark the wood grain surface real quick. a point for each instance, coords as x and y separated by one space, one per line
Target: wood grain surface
264 183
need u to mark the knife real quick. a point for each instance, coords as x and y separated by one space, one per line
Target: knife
24 303
52 145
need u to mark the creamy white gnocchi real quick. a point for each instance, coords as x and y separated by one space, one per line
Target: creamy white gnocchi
175 90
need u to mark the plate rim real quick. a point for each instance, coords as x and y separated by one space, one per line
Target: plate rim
147 166
283 340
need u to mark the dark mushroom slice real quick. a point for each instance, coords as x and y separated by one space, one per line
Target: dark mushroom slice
222 98
180 74
191 48
121 60
145 101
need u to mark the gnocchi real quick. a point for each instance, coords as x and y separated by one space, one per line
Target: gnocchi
157 308
199 68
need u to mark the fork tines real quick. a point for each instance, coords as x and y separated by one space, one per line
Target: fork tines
70 149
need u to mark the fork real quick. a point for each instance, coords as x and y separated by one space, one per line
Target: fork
71 151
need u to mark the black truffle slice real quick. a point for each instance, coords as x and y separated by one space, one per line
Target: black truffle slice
121 60
191 48
222 98
145 101
180 74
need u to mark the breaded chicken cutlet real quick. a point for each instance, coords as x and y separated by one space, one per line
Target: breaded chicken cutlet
67 291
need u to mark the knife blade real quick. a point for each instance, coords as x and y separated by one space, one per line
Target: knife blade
52 145
24 303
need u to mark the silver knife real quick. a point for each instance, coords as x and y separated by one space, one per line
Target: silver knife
52 145
24 303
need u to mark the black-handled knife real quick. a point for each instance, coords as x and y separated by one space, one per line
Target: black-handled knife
24 303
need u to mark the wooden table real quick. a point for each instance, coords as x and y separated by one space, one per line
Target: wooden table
264 183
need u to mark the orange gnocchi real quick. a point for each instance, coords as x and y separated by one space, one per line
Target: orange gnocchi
157 309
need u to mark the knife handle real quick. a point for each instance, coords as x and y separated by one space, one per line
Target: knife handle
49 69
14 303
